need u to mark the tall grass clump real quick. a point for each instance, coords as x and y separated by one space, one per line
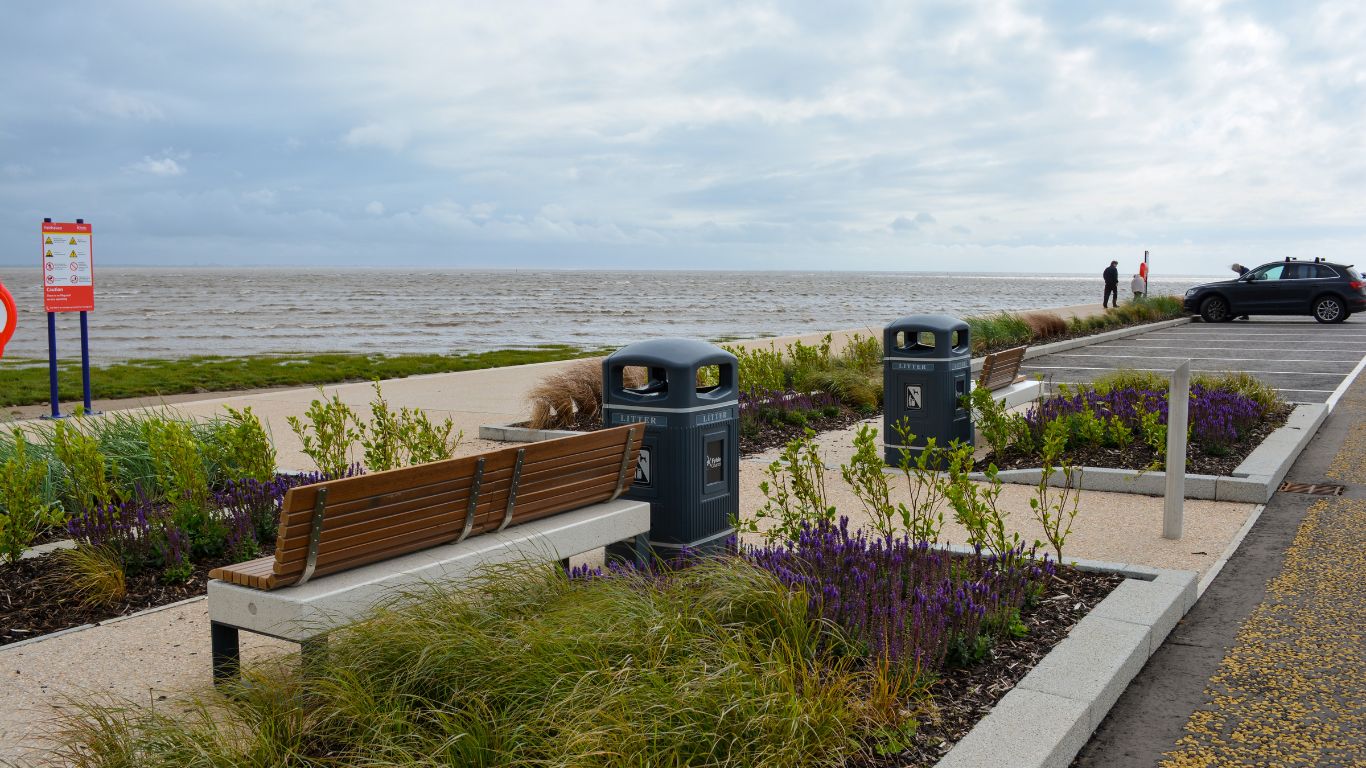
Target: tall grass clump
573 395
1004 329
719 664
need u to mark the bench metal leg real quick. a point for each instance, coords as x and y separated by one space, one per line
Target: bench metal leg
642 555
227 659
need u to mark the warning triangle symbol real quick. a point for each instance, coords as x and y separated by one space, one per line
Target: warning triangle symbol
73 241
73 254
49 241
49 253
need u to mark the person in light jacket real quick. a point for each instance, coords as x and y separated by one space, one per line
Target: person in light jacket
1139 286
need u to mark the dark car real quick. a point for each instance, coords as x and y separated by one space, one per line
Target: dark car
1329 292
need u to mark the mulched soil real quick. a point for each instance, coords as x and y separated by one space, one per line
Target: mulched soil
962 696
35 601
1139 456
777 435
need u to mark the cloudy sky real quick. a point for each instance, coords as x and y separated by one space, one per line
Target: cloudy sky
987 135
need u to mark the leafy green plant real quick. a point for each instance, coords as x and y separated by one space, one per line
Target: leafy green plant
998 426
404 437
865 477
184 482
240 446
924 473
88 484
806 360
1153 430
1118 434
977 507
759 368
1056 508
330 434
23 512
794 492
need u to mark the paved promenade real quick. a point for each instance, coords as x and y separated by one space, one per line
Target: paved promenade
1269 668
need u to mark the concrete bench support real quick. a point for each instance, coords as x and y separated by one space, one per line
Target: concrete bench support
305 614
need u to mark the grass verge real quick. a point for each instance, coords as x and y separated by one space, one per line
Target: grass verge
28 384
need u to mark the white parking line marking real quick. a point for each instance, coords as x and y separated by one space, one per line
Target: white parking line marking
1193 370
1352 361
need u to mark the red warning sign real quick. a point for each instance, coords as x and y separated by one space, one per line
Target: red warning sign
68 267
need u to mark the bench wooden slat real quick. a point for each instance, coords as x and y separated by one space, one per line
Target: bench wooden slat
1001 369
423 509
442 523
342 558
453 491
351 488
376 517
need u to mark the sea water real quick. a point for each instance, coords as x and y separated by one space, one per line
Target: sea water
177 312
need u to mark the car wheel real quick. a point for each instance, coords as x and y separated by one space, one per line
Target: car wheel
1329 309
1215 310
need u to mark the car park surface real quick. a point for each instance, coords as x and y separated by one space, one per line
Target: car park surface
1303 360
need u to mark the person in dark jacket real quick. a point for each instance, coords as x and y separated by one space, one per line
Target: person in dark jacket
1111 275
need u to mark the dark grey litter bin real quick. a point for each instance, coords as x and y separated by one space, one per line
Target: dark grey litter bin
927 369
690 457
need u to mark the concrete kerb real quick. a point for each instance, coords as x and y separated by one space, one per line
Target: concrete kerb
1047 718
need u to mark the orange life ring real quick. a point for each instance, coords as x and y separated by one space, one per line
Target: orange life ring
10 317
1143 270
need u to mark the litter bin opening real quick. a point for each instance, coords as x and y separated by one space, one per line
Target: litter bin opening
914 341
958 340
655 380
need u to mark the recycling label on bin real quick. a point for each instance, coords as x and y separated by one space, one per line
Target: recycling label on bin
643 469
914 397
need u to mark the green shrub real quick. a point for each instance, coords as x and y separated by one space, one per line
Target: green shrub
759 368
88 484
23 511
330 434
240 447
1125 378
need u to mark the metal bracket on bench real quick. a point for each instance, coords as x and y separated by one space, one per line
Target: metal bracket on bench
625 463
474 499
512 489
315 535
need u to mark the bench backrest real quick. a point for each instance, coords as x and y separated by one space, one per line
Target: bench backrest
999 369
365 519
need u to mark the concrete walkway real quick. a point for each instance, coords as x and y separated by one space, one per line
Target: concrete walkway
1269 668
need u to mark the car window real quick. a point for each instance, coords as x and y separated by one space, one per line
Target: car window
1297 271
1322 270
1355 275
1269 272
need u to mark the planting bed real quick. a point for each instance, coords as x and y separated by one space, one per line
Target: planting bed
963 696
34 599
1140 456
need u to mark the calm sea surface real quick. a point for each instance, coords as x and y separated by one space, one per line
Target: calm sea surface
169 313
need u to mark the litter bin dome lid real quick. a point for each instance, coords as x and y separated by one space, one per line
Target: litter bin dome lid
928 323
670 353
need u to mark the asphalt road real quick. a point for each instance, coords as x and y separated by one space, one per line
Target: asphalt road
1304 360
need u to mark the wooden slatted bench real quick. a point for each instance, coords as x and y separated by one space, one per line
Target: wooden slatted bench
344 545
1001 369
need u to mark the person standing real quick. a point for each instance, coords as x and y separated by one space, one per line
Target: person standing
1111 275
1139 286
